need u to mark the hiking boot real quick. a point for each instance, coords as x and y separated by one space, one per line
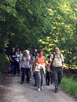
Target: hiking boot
56 90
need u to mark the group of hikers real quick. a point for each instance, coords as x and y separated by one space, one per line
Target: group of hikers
34 65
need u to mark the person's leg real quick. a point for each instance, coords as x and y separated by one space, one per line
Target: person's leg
18 68
28 77
36 79
27 74
42 76
23 74
39 79
14 68
60 75
30 71
48 78
51 78
56 79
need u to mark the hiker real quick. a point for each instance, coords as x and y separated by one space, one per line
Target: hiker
48 77
25 66
30 63
57 61
20 54
35 74
16 63
18 51
34 54
40 63
11 59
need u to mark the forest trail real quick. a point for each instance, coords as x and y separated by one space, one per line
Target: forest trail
12 91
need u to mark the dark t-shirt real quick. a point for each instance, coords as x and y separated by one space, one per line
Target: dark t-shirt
11 54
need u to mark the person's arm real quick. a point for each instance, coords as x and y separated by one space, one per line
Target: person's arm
62 60
45 61
48 67
10 58
34 64
28 58
49 64
21 62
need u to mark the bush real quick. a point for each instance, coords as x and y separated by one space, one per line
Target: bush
0 75
69 84
2 62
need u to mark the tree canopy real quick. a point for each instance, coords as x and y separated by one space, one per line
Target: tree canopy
41 24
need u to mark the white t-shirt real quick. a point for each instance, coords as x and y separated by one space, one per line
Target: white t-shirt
25 62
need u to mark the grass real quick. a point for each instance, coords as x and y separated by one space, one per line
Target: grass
69 83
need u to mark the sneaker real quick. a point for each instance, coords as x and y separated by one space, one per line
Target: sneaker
38 89
30 79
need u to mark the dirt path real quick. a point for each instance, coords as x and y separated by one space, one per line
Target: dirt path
12 91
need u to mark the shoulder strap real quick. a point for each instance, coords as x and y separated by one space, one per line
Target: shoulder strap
60 56
53 58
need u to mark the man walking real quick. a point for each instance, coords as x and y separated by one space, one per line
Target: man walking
11 54
57 61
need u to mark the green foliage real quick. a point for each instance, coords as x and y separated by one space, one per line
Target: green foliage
41 24
0 75
69 84
3 60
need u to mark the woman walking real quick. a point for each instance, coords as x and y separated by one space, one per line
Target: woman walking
40 63
25 67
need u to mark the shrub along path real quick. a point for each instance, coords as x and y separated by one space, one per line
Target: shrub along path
12 91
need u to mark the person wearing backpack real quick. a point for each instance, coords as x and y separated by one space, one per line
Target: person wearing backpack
11 54
57 62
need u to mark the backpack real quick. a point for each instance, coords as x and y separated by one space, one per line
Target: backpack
53 60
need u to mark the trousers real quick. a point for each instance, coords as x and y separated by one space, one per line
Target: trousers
58 74
40 77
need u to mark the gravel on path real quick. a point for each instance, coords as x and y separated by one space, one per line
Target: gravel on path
12 91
